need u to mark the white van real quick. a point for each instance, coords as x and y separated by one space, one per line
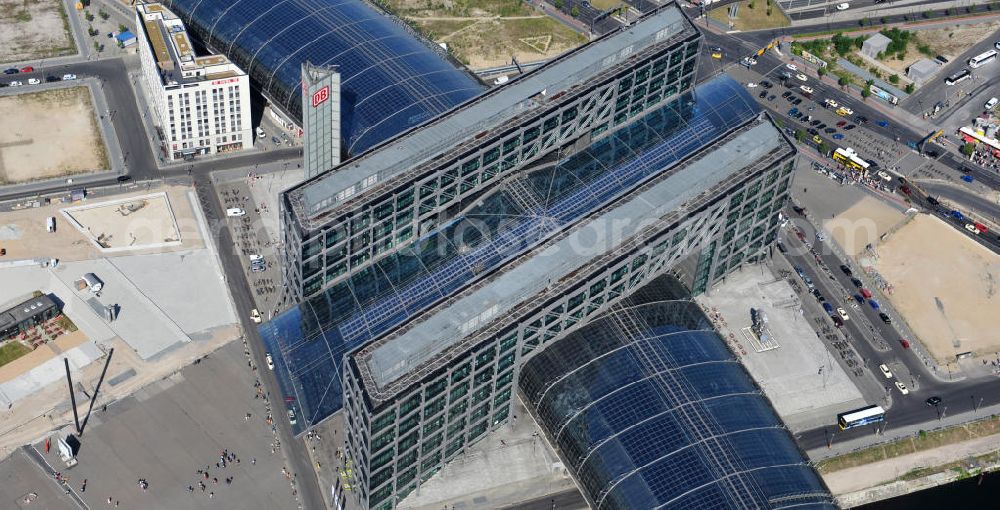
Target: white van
50 224
260 132
235 211
991 103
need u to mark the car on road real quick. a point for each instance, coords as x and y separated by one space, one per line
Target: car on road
957 215
830 103
844 111
934 401
67 77
781 247
884 316
255 316
905 189
792 67
991 103
867 294
837 321
846 269
885 371
902 388
806 89
828 308
34 81
10 71
270 361
260 132
843 314
931 200
838 136
981 228
817 140
801 77
843 6
905 343
883 123
16 84
235 211
857 283
859 298
861 119
971 228
124 178
291 417
51 78
812 131
716 52
27 69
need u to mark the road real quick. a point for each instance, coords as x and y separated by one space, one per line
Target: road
295 450
567 500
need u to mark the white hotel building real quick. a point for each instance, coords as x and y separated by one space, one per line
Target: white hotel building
202 103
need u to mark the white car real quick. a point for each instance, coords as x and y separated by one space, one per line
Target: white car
792 67
67 77
801 77
831 103
843 314
882 367
807 89
971 228
843 7
261 133
902 388
235 211
751 85
16 84
255 316
34 81
270 361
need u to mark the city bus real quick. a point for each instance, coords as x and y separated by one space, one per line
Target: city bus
958 77
849 158
859 417
983 59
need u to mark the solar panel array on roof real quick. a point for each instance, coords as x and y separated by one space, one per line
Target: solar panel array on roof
391 79
650 410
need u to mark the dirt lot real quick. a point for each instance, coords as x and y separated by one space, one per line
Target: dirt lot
949 42
135 223
945 287
862 224
757 18
33 29
486 33
49 134
24 236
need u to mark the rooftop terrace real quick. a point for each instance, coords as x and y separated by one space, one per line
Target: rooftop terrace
174 52
497 110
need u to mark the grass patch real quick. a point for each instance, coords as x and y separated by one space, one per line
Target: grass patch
605 4
66 324
924 441
11 351
436 29
761 17
457 8
23 17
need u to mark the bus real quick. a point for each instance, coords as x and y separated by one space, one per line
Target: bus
958 77
859 417
849 158
983 59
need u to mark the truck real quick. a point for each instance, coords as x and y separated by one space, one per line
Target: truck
50 224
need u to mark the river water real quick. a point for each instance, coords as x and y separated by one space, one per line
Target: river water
974 493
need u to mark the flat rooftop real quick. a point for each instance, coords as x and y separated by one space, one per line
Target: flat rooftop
497 110
173 51
388 360
21 311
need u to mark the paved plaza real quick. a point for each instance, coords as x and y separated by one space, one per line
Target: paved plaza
807 387
171 429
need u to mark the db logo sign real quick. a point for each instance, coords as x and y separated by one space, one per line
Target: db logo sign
320 96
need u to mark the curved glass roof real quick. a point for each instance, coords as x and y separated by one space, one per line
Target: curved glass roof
390 79
650 410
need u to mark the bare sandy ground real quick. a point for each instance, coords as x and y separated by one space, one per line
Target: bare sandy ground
24 236
138 222
40 355
33 29
945 286
49 134
861 224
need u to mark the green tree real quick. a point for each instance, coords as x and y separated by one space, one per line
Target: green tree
88 16
122 28
968 149
575 11
822 71
894 79
843 81
910 88
928 14
560 4
859 41
824 148
103 14
800 135
865 93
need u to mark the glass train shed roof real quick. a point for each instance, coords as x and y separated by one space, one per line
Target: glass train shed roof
650 410
391 80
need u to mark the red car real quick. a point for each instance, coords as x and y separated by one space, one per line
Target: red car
981 228
904 343
27 69
842 123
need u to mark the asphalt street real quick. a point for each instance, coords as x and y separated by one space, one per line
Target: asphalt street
567 500
295 450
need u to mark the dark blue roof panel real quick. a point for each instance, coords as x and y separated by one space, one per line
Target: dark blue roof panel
391 80
650 410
